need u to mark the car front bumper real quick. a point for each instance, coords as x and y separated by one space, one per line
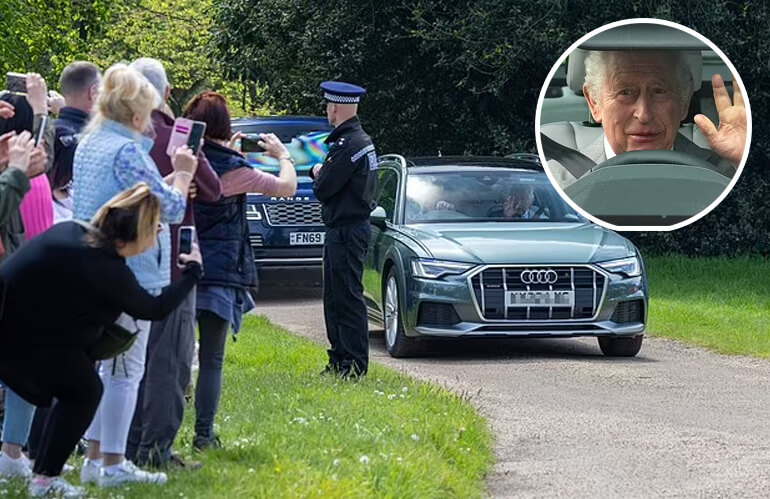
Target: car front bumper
618 295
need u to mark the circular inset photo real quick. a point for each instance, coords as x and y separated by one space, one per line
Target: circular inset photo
643 124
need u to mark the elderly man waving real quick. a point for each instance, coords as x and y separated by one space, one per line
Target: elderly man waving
641 97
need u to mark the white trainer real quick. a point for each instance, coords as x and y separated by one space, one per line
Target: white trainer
10 467
54 486
128 472
89 473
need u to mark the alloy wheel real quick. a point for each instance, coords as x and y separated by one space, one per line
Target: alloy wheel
391 311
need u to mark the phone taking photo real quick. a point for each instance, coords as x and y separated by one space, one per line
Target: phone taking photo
186 238
251 144
41 131
16 82
186 133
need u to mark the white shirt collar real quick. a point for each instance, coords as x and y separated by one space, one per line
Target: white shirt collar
608 149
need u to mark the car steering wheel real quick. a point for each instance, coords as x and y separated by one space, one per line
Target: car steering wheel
660 187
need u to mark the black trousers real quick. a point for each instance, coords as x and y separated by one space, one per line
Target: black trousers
161 400
69 377
347 327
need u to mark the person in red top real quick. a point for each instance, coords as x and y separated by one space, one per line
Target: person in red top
160 408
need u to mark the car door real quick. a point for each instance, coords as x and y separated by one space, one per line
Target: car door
386 197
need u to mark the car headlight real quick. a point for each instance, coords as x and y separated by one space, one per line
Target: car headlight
253 212
435 269
630 266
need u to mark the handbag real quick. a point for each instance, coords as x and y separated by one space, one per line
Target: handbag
115 340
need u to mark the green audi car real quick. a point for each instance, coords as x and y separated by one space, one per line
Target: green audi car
484 246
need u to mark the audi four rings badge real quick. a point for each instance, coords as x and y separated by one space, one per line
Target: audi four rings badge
539 276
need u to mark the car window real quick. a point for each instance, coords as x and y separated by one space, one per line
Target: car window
386 191
484 195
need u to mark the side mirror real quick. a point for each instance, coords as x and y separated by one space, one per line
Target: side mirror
378 216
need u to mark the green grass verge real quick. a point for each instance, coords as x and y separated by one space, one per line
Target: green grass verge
290 433
721 304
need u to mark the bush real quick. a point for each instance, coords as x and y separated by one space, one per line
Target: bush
464 77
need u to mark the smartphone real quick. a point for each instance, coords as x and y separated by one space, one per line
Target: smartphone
251 144
186 132
41 132
196 135
16 82
186 238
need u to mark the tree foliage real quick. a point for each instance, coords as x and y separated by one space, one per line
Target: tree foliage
45 36
463 77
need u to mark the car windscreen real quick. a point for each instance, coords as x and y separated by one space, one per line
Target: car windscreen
484 196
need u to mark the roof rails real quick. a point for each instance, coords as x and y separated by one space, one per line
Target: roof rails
279 118
526 161
393 157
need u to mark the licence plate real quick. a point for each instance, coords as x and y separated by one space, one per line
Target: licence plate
306 238
540 299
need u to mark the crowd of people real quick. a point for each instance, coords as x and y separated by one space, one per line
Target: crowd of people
91 205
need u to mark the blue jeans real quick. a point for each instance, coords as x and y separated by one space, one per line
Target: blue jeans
18 419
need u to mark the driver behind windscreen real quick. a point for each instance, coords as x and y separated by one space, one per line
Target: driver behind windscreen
518 204
640 98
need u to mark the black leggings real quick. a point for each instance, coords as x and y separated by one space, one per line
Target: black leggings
71 379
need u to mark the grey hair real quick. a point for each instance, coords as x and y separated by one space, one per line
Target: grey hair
597 62
153 70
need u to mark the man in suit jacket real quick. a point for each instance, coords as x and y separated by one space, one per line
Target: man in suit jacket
640 98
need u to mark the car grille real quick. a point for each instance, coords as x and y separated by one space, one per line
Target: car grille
256 240
491 284
294 214
628 311
437 314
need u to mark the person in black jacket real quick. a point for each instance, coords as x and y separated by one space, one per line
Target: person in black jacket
345 185
45 355
79 84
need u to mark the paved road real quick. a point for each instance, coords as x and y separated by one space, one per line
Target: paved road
675 421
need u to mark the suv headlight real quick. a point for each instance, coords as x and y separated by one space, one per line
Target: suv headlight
435 269
253 212
627 266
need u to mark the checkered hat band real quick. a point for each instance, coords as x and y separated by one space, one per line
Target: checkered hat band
341 99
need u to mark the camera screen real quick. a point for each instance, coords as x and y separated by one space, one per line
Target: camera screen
251 144
185 240
196 134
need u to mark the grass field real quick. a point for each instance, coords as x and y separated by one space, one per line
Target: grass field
290 433
716 303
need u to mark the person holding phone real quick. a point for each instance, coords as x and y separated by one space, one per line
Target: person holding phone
171 344
31 114
113 154
223 296
45 355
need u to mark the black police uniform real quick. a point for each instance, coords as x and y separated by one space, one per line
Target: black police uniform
345 186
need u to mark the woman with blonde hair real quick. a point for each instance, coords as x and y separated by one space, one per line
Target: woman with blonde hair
45 355
113 155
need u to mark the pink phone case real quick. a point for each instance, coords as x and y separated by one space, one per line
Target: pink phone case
179 134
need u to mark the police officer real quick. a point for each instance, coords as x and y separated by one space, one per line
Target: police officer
345 185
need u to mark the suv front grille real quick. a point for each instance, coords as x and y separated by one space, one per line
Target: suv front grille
490 287
628 311
294 214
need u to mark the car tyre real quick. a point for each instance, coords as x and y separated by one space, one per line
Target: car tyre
397 342
620 347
